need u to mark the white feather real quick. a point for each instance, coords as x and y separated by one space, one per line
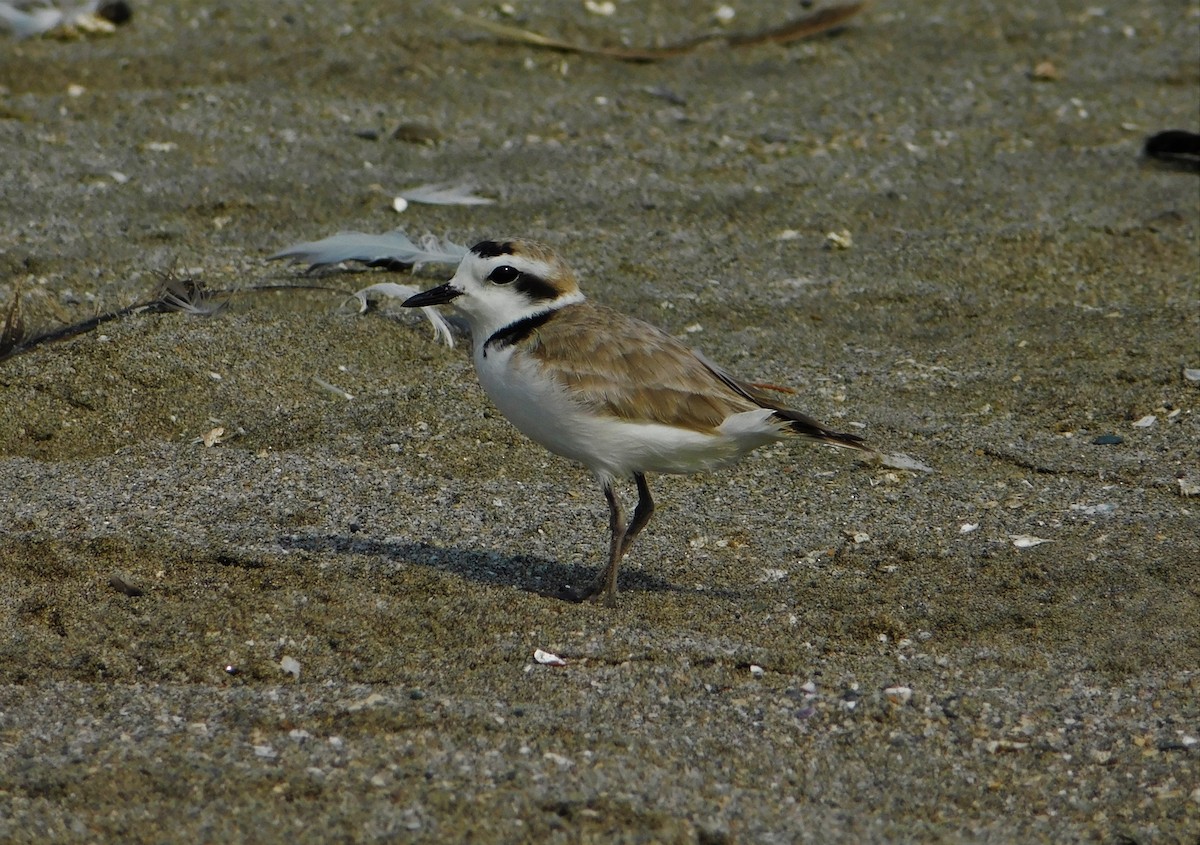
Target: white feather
441 328
445 193
33 22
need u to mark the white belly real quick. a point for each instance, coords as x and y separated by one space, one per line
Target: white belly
543 410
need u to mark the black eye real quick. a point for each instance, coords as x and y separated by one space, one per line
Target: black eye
505 274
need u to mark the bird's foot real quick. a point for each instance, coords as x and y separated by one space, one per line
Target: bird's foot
597 591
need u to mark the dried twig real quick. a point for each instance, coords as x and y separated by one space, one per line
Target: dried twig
14 333
820 21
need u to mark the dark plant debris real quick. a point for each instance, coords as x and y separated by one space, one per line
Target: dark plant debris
823 20
1177 149
174 294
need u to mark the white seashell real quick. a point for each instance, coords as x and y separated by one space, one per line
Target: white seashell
291 666
547 658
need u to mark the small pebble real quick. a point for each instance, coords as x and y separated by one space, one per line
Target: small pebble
1045 72
1108 440
839 240
291 666
417 133
122 586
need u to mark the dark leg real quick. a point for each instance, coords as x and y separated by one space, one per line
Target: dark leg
607 582
622 537
641 514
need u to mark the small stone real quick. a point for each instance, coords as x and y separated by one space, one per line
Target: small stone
417 133
122 586
839 240
1045 71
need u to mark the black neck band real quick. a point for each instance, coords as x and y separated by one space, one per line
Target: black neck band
517 332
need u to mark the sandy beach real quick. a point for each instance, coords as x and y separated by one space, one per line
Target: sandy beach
278 573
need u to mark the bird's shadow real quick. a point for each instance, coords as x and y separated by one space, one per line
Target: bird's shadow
531 573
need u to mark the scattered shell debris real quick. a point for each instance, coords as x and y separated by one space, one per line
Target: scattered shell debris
839 240
1189 487
370 701
757 671
1102 509
1146 421
212 437
290 666
968 527
996 746
1026 541
1191 374
547 658
898 695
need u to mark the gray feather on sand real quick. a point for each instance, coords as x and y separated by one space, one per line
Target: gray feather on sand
394 247
26 19
389 249
445 193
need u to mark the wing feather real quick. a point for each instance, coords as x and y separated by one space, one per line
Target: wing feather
648 377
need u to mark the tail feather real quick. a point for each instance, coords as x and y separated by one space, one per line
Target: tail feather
801 424
806 426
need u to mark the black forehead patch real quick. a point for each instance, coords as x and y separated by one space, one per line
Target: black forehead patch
492 249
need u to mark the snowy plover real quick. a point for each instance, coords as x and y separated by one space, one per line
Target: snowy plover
618 395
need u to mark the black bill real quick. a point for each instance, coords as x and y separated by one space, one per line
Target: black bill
434 296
